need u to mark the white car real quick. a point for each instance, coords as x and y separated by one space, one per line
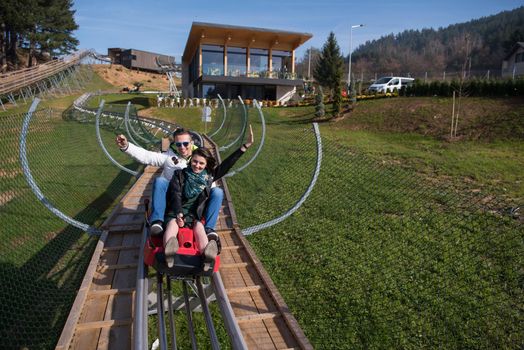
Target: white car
388 84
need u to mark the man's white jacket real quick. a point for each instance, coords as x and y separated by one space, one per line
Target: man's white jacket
164 160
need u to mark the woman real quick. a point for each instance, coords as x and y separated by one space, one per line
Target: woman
187 198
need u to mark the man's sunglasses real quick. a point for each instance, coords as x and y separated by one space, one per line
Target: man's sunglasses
180 144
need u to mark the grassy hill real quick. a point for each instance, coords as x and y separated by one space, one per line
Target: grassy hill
405 241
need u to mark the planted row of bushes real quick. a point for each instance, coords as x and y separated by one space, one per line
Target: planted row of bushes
474 87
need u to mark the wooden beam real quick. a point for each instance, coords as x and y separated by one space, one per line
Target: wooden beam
234 265
103 324
245 289
104 292
258 317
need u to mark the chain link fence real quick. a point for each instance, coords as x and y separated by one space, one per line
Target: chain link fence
378 256
381 255
42 259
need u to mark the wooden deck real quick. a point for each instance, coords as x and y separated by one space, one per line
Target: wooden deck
102 314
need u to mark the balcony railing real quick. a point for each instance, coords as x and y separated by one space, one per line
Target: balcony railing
261 74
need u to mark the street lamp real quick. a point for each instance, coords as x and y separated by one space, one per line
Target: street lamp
351 48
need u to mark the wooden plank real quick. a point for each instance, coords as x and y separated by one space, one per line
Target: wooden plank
121 247
103 324
232 247
258 317
74 315
256 335
233 265
116 267
244 289
100 292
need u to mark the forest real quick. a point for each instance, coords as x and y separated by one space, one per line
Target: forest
486 41
33 31
478 45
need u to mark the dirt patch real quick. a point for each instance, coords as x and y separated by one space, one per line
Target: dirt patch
6 197
121 77
9 174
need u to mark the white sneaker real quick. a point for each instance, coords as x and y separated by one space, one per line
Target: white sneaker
156 229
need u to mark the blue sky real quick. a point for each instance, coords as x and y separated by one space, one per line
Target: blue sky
163 26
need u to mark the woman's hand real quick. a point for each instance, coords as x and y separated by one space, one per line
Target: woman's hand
121 141
180 221
250 138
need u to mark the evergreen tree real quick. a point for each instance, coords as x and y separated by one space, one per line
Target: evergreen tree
319 103
330 66
40 26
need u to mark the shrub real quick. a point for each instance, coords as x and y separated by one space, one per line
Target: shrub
319 103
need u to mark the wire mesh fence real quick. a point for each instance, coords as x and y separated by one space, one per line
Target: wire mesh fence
381 255
42 259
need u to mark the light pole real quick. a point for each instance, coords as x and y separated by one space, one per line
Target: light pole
351 48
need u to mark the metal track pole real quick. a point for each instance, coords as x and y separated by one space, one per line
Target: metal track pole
170 313
140 318
207 315
189 316
160 307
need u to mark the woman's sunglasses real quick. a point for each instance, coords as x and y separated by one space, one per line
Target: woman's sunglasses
180 144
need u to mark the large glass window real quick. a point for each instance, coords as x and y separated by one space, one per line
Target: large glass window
259 59
212 60
281 63
253 92
209 91
236 61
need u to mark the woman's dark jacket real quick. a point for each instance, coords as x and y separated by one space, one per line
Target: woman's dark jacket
176 185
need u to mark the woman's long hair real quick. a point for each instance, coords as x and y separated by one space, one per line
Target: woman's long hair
206 153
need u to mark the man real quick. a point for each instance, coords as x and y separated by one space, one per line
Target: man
176 157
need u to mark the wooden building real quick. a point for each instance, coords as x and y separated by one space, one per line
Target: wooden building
138 59
253 63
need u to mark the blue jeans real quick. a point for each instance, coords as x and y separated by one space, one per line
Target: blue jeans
159 199
213 207
159 202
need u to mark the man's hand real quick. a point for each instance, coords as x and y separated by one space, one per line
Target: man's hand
121 141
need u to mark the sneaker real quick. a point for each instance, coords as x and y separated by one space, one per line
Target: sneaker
157 228
213 236
210 253
169 251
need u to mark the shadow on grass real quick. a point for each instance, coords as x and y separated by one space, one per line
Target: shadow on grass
37 296
137 100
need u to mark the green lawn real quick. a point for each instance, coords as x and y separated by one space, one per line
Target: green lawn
405 241
43 260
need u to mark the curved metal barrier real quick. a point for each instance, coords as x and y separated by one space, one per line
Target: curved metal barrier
263 138
302 199
223 118
32 183
244 125
101 143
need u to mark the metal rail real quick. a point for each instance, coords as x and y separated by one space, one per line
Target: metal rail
298 204
32 183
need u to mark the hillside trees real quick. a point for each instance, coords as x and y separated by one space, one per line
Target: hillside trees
41 27
432 50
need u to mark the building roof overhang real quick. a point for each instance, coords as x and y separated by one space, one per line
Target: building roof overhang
221 34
